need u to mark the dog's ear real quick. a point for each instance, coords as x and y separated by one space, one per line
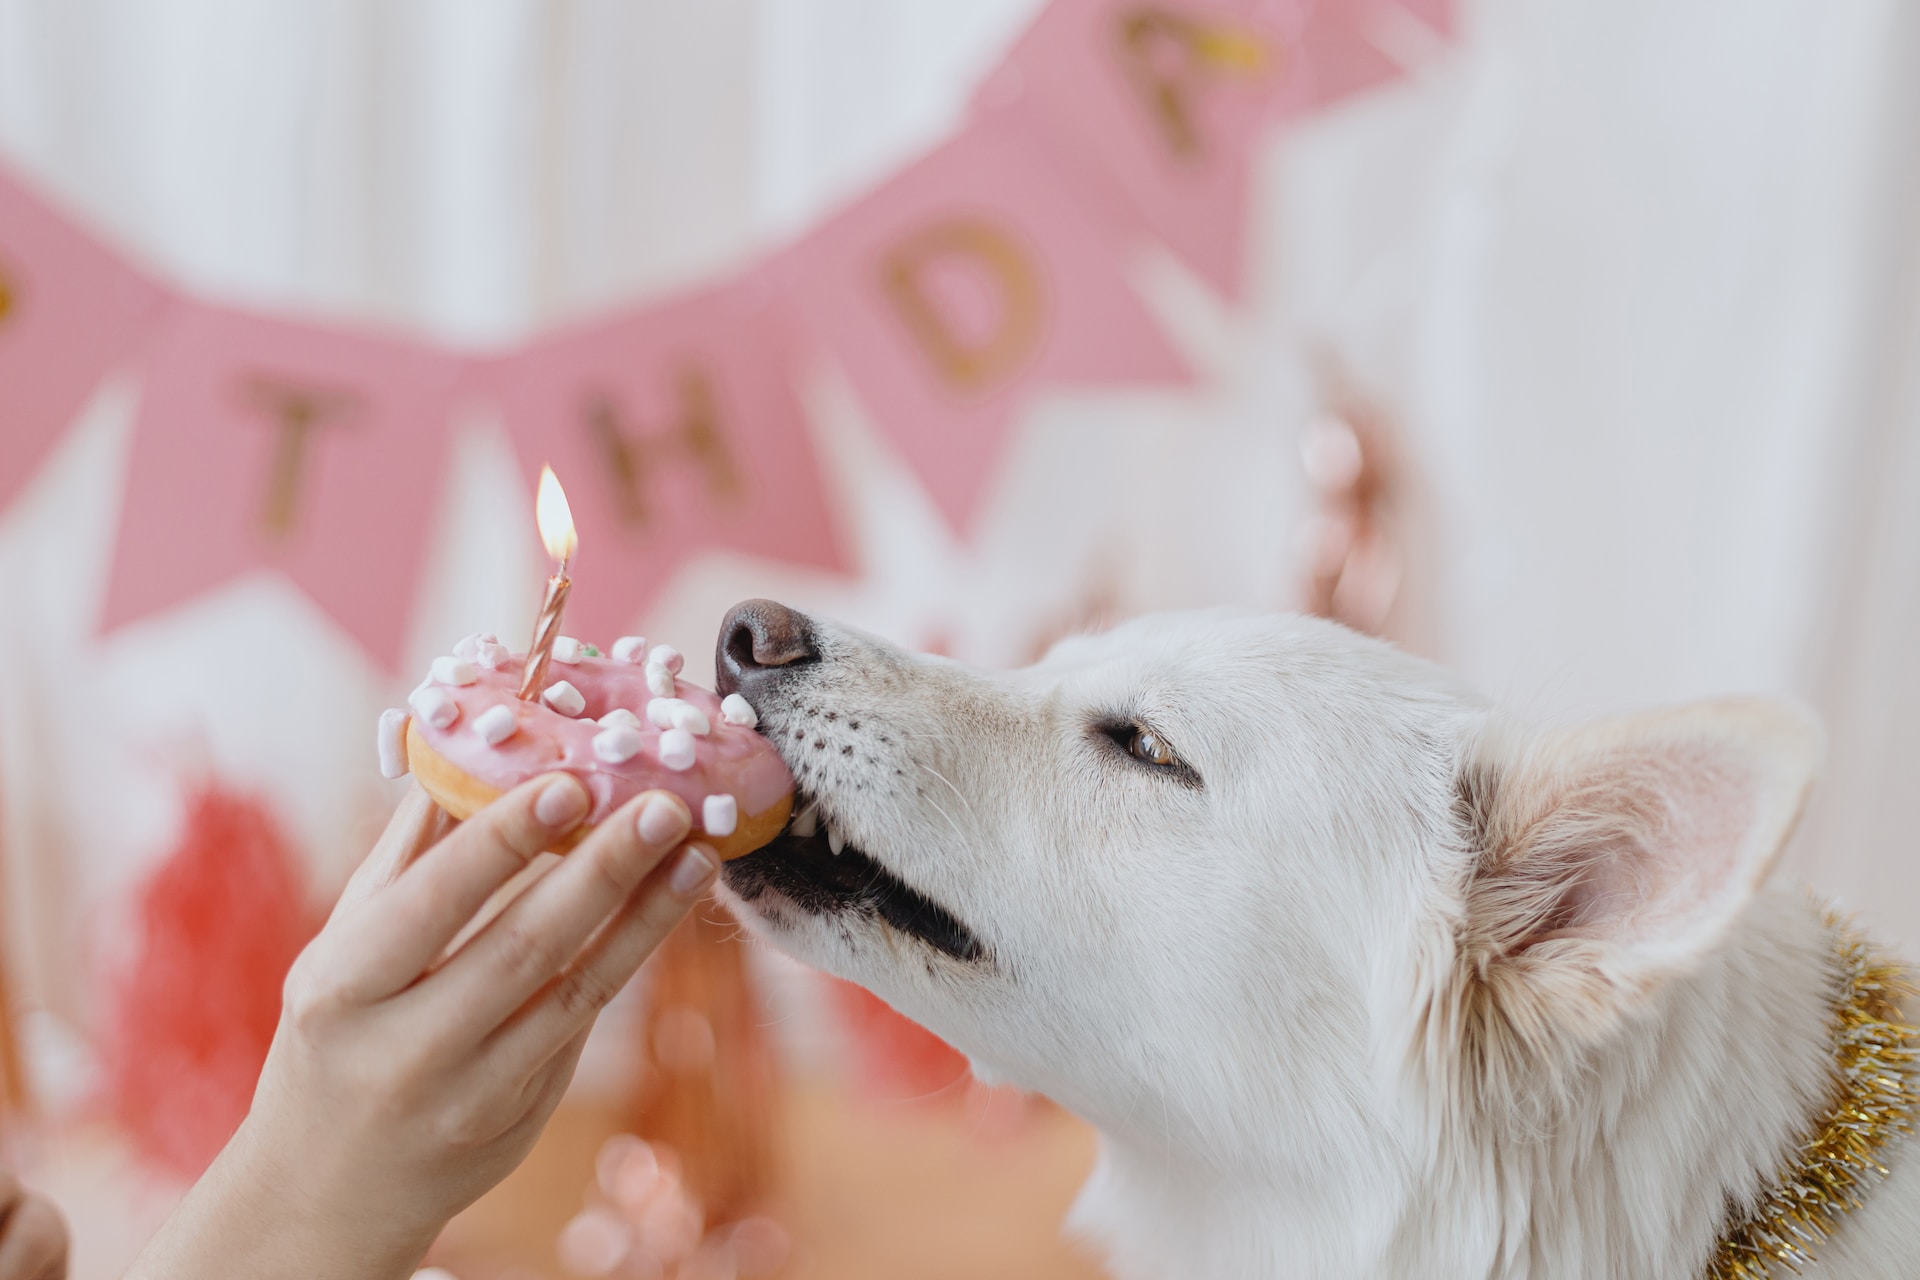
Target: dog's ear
1614 855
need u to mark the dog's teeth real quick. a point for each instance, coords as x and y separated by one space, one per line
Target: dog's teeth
835 841
807 823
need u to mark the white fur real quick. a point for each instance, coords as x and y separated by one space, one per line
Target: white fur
1396 989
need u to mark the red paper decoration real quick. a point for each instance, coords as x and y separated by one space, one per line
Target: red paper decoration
895 1056
220 923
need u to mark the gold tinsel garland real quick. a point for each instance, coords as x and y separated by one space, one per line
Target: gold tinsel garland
1876 1099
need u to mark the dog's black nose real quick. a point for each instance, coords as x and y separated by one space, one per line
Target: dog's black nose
760 640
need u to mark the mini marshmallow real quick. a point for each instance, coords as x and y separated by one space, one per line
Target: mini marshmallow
566 649
692 719
665 655
719 815
393 742
735 709
454 671
676 750
660 711
630 649
621 716
496 724
492 654
434 705
467 647
618 744
659 681
564 698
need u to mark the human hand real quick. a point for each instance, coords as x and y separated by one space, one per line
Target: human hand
403 1083
33 1235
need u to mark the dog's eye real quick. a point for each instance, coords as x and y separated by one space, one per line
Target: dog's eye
1147 748
1147 745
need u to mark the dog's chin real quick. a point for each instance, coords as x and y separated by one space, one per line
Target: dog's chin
801 873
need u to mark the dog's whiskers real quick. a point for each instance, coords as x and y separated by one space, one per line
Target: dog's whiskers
965 800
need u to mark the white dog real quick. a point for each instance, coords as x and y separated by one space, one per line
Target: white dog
1353 980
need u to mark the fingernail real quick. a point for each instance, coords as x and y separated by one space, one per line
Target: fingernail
693 873
663 820
561 804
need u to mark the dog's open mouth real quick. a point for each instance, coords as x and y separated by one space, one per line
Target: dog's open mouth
800 864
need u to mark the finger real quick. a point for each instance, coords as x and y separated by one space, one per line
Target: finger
391 939
415 825
567 1006
545 927
33 1243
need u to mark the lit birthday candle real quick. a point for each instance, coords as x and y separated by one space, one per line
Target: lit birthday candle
555 519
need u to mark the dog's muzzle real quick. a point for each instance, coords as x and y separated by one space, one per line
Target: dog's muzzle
763 649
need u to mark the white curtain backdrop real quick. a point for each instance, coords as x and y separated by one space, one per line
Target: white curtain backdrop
1641 279
1637 282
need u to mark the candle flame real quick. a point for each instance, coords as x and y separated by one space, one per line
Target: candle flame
554 517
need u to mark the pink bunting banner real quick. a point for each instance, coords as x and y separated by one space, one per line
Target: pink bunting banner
70 310
1155 107
262 444
676 431
989 271
955 291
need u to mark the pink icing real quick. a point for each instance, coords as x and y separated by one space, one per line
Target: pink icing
731 760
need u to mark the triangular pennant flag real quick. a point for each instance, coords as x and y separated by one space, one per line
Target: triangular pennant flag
958 289
1346 43
266 444
1156 107
674 431
69 310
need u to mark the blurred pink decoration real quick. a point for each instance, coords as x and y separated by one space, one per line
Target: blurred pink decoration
706 1101
679 433
1355 561
1157 107
959 289
69 311
266 445
686 1198
641 1221
221 920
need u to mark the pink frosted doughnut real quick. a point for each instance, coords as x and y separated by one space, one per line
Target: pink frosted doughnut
464 766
